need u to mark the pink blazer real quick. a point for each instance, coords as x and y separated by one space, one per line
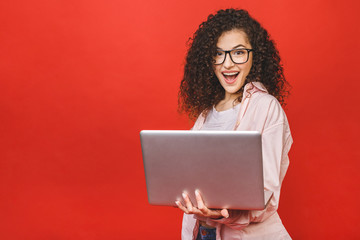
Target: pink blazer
259 111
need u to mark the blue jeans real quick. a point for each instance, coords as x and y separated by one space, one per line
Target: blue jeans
206 233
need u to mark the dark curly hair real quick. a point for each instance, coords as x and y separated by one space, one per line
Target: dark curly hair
200 88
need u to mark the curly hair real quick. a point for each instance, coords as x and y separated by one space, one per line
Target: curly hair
200 88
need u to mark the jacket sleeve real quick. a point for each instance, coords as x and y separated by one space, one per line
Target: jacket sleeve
276 142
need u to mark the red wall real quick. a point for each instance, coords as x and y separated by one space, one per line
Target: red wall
80 79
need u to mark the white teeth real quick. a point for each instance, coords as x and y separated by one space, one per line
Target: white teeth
230 74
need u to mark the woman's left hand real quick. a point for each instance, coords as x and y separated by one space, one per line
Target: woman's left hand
201 209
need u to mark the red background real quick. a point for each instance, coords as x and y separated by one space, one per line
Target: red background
80 79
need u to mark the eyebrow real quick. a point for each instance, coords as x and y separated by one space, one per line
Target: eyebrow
239 45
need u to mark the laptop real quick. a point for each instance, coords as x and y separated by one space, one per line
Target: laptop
225 166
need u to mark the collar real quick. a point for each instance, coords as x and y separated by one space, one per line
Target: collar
253 87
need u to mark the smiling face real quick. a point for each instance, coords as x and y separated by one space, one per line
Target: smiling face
231 75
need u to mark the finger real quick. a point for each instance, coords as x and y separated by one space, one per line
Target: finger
184 209
225 213
188 202
200 203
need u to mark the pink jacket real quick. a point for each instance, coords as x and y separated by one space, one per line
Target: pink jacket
259 111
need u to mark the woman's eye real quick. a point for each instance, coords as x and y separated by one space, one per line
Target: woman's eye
239 52
219 54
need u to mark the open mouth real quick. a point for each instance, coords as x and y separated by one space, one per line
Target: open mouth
230 77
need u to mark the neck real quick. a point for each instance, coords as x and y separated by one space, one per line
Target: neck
229 101
230 97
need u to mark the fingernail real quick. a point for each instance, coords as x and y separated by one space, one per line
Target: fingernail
177 203
184 195
197 192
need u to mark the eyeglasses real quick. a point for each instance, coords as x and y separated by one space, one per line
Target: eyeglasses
237 56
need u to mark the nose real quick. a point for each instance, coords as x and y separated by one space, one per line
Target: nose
228 63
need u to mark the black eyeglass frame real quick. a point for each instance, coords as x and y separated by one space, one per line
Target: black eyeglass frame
229 51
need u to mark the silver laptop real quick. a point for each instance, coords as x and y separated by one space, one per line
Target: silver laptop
225 166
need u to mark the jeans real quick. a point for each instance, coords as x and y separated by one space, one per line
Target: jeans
206 233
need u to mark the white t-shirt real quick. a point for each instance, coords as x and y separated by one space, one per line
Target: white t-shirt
224 120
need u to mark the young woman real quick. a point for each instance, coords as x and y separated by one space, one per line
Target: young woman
233 80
